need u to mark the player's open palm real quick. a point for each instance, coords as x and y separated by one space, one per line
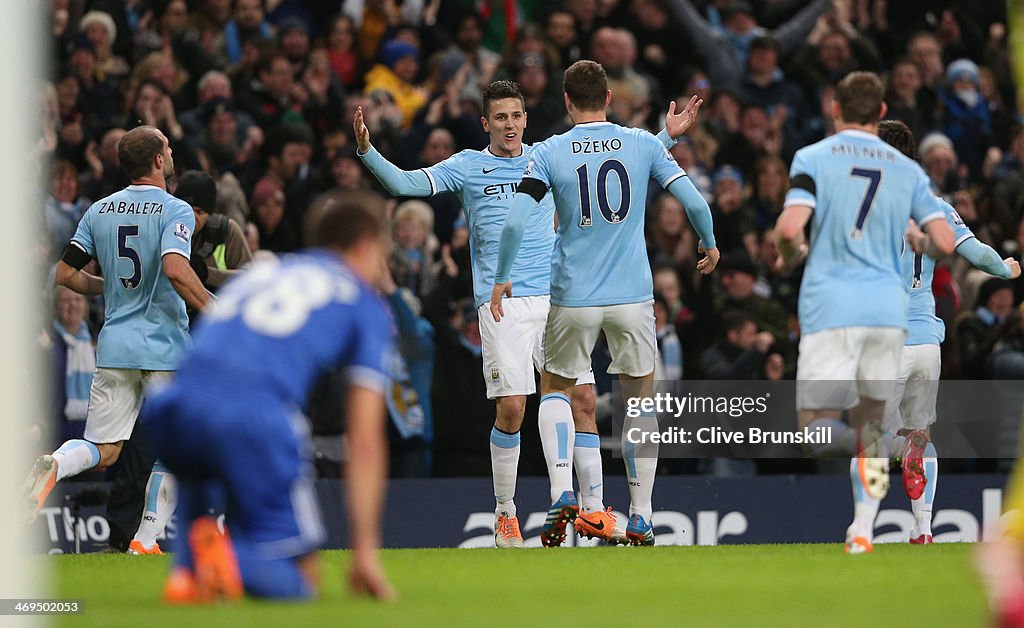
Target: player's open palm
707 263
678 123
362 133
1014 267
366 577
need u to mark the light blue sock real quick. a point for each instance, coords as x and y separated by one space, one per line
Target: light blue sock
586 457
865 508
557 438
74 457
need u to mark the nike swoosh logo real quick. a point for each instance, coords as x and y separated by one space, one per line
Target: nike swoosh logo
486 171
594 525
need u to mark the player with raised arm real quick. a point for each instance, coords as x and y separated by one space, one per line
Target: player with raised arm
141 237
485 181
231 420
859 194
600 277
910 412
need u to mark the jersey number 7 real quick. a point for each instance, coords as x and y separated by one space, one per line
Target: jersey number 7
874 177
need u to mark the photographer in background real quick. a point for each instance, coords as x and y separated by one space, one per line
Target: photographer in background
219 248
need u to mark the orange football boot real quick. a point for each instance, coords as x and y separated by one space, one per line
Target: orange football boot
216 569
40 481
600 524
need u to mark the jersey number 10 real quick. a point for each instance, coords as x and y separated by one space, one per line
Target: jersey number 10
613 216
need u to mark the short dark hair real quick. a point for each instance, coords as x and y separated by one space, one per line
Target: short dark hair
898 135
586 85
137 149
860 96
735 320
499 90
341 219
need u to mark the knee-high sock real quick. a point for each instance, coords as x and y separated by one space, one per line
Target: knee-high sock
74 457
922 506
641 464
586 457
504 468
557 437
161 498
865 508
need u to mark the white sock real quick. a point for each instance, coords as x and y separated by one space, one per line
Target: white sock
504 468
843 443
865 508
557 437
922 506
586 457
74 457
641 464
161 498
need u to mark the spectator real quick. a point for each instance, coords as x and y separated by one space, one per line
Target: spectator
926 53
218 243
738 275
214 85
742 352
561 30
343 55
247 25
100 30
685 156
670 350
276 234
73 361
771 182
615 50
725 49
105 175
394 76
347 171
671 241
967 120
412 260
978 331
759 135
410 374
63 208
544 113
908 99
765 85
941 163
733 218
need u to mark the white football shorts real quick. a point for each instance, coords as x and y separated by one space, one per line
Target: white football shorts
114 403
912 405
849 363
572 332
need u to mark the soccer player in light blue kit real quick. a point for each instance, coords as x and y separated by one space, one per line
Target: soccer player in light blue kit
485 181
141 237
910 412
600 277
231 420
859 194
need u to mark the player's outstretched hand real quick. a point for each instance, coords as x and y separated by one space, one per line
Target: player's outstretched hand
709 261
366 577
500 290
678 123
362 133
1014 267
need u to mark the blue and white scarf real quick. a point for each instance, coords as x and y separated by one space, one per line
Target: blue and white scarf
81 364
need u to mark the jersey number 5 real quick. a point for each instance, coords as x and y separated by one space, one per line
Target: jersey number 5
874 177
613 216
126 252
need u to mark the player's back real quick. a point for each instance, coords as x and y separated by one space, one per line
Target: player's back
598 173
146 325
282 324
863 192
923 326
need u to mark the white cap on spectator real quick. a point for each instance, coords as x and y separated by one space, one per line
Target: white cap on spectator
932 141
101 17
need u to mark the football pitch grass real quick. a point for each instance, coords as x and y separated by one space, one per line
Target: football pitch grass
739 585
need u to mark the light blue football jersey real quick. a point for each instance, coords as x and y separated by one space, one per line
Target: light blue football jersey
863 192
129 232
285 322
485 184
598 173
924 327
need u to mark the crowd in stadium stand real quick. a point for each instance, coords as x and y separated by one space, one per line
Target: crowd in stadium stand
260 94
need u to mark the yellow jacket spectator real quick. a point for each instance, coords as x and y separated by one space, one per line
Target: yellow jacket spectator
394 75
